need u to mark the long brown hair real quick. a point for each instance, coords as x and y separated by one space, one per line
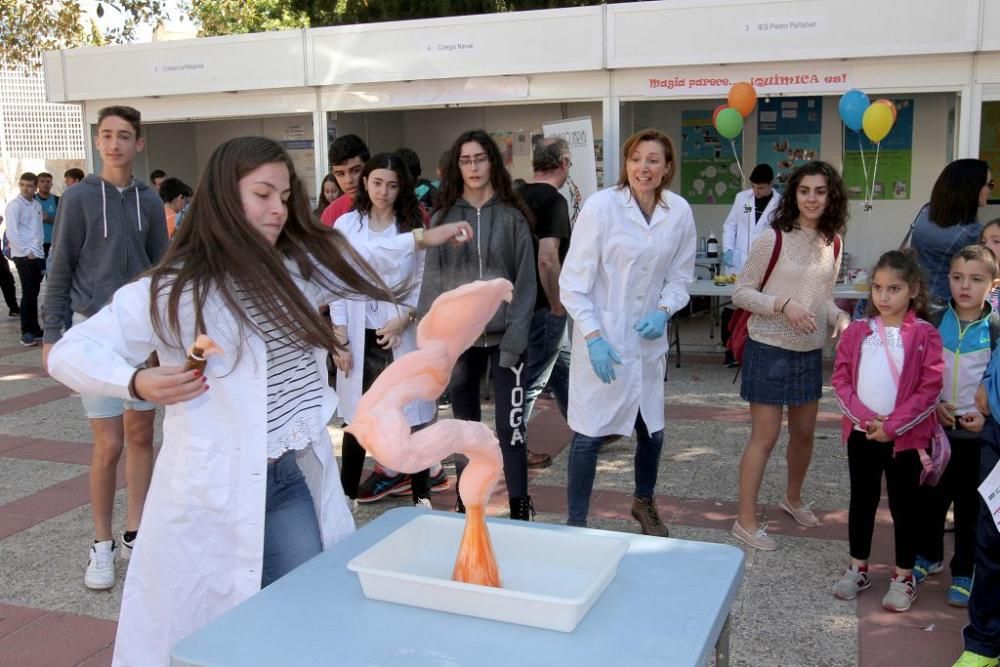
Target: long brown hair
649 134
837 211
452 183
217 249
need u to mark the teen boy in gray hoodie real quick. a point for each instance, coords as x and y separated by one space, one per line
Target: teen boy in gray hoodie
477 188
108 230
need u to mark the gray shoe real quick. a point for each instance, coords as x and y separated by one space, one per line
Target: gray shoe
902 593
853 582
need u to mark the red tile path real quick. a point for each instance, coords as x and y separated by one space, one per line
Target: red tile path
927 635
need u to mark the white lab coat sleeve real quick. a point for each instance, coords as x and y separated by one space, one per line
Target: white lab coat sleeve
338 312
731 224
579 271
674 294
416 280
100 355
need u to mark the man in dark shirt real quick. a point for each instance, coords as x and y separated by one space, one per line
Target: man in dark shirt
551 240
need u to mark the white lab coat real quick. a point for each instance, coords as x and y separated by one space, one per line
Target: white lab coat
741 226
618 269
200 549
410 269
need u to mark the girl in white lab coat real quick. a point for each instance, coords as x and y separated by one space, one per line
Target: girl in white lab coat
375 332
626 272
246 486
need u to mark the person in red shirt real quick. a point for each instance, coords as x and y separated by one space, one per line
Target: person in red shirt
348 155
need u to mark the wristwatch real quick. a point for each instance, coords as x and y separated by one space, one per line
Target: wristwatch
418 237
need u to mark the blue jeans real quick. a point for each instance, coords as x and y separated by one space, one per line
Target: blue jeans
291 531
544 341
583 466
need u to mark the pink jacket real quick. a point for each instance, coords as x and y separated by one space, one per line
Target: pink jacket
911 423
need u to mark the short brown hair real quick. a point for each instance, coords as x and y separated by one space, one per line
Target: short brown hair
29 176
649 134
130 115
979 253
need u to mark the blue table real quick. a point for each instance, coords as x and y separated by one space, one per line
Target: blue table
668 605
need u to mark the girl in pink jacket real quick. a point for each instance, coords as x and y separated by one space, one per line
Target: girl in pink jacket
888 381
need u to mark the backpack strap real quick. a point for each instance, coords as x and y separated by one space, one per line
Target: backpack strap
775 253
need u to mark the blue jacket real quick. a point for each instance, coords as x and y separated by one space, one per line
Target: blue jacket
966 354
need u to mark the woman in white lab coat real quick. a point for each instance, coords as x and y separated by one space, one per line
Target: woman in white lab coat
376 332
626 272
246 486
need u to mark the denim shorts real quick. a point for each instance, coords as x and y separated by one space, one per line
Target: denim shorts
105 407
776 376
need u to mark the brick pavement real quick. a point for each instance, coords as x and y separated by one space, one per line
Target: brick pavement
784 615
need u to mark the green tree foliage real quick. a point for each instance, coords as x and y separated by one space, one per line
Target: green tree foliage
30 27
229 17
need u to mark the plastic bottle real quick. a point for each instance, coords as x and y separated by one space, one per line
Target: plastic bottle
712 247
702 246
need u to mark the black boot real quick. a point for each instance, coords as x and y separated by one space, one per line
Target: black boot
522 508
459 505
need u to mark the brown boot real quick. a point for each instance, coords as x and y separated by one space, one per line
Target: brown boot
644 511
538 459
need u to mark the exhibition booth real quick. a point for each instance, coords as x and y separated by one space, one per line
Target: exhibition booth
594 74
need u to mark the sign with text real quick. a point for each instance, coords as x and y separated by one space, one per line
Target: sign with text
579 134
990 491
794 79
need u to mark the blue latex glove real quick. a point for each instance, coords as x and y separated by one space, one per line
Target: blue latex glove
602 359
652 326
727 257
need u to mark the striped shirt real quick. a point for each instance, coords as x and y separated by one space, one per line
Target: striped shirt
294 390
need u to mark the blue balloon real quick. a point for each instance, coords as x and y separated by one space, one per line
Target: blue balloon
852 108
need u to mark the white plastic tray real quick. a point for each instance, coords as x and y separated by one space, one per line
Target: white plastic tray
550 578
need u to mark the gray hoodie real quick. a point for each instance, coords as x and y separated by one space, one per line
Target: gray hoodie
501 249
103 239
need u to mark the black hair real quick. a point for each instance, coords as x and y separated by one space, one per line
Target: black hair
347 148
955 196
411 160
172 188
837 211
155 174
406 208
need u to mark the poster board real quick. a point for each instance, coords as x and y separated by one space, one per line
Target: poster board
579 134
709 171
892 173
789 134
989 140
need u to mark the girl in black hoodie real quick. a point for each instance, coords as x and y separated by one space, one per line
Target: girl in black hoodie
477 188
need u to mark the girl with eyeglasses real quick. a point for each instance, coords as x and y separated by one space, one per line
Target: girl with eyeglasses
477 188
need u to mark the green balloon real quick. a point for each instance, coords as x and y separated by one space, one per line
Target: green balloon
729 123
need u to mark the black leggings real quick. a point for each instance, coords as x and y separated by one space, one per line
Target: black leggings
352 454
7 285
508 392
867 460
958 484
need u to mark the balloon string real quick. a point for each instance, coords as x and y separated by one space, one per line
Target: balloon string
867 201
874 171
743 179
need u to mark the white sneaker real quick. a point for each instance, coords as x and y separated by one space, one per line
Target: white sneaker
126 550
423 503
101 569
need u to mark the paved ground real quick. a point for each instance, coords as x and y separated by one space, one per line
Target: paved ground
784 615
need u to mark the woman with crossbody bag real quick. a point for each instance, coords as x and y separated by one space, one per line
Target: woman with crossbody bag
791 318
888 380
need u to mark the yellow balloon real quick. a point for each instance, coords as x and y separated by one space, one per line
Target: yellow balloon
877 122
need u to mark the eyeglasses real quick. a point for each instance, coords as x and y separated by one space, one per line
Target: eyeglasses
469 161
